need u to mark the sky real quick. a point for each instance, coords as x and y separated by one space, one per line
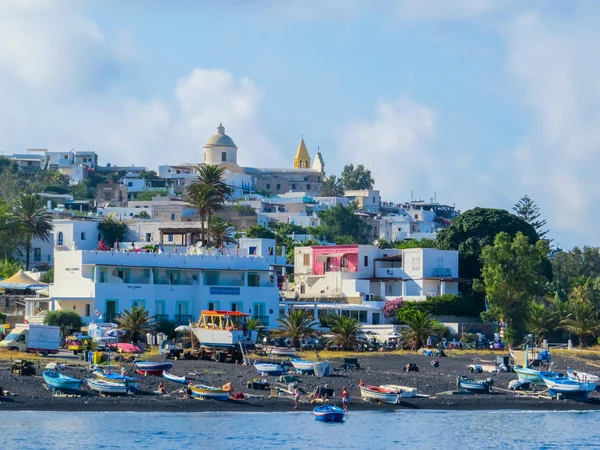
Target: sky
473 102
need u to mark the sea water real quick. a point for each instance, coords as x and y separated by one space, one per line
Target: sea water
445 430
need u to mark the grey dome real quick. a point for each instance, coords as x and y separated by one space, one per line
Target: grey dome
220 139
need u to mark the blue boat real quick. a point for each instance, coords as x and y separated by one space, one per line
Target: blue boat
475 386
559 384
327 413
132 383
59 382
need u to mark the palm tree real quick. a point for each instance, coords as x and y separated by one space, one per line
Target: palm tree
582 320
112 231
213 176
332 187
541 319
136 322
221 233
33 221
296 325
344 331
420 326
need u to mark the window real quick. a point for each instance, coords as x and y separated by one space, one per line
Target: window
278 186
252 251
253 279
182 309
308 187
148 237
83 235
306 257
213 306
362 316
37 254
268 186
102 276
172 216
211 278
237 306
173 276
366 261
223 156
130 184
66 156
293 185
88 310
416 263
59 240
270 251
138 303
170 237
159 306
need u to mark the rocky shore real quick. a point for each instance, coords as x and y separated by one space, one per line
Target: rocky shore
29 393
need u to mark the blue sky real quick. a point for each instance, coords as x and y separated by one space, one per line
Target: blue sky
477 101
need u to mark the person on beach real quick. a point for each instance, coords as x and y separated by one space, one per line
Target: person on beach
296 397
345 399
161 388
123 371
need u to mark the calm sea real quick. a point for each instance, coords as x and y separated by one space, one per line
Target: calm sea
290 430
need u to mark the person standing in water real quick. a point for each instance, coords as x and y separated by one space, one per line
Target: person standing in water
345 399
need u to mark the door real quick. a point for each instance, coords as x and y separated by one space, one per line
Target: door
111 310
375 318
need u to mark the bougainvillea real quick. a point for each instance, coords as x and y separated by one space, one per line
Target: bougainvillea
391 307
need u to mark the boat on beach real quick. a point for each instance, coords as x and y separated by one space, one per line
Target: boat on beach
403 391
59 382
152 367
376 393
327 413
280 351
210 392
222 330
268 368
174 378
528 374
303 365
107 387
559 384
112 377
584 376
475 386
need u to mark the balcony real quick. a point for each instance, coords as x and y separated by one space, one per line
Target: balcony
389 272
161 317
442 272
264 320
183 319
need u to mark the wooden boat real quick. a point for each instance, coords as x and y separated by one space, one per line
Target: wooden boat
112 377
303 365
107 387
268 369
327 413
152 367
375 393
174 378
203 391
59 382
583 376
222 330
559 384
403 391
280 351
475 386
527 374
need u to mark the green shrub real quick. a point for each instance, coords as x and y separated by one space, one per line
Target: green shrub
449 305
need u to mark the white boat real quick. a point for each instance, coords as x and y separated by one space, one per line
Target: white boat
174 378
303 365
375 393
268 368
223 330
584 376
280 351
403 391
557 383
107 387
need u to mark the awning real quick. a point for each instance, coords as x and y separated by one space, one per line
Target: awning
22 281
323 258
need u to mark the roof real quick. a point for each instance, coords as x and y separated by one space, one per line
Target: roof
220 139
302 152
21 280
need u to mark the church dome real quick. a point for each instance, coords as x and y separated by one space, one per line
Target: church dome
220 139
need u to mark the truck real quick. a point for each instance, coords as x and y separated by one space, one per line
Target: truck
32 338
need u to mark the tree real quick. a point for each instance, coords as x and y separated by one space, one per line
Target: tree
260 232
9 246
112 231
527 210
48 276
582 320
32 220
513 274
356 178
136 322
541 319
2 318
148 175
9 267
221 233
68 321
477 228
296 325
147 195
332 187
143 215
339 224
344 331
420 327
571 267
416 243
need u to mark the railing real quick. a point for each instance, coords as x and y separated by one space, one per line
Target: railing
442 272
161 317
264 320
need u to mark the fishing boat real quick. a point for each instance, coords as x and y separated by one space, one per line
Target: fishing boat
327 413
281 351
203 391
583 376
375 393
222 330
559 384
303 365
403 391
268 368
152 367
107 387
59 382
112 377
174 378
475 386
528 374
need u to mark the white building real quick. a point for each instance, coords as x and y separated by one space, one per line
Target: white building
171 286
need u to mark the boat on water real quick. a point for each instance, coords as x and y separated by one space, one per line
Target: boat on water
584 376
303 365
204 391
559 384
153 367
475 386
376 393
222 330
107 387
403 391
132 382
327 413
59 382
268 368
174 378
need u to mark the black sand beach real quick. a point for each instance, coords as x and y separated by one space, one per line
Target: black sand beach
29 393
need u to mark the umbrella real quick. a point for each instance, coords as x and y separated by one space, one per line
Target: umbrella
183 328
22 281
116 333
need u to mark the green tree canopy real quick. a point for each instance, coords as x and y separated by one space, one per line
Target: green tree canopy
221 233
9 267
582 320
112 231
512 276
48 276
9 246
339 224
136 322
344 331
296 325
259 232
527 210
571 266
332 187
356 178
471 231
68 321
33 221
416 243
420 326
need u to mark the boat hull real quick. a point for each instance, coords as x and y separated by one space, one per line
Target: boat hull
216 339
152 368
61 382
566 387
403 391
372 393
476 387
303 366
208 392
269 369
583 376
174 378
526 374
328 413
106 387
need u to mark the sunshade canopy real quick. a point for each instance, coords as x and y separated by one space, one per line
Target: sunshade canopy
22 281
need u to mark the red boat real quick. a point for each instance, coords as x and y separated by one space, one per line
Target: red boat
152 368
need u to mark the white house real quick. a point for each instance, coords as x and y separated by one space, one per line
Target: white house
171 286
